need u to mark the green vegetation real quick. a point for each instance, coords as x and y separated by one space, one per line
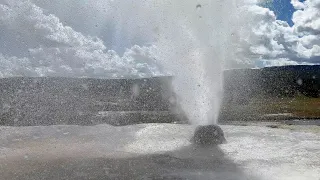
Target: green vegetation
272 108
300 106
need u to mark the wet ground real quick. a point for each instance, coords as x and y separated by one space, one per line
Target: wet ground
157 151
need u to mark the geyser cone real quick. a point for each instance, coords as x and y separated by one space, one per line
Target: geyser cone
208 135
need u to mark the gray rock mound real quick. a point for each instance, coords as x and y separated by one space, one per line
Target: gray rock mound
208 135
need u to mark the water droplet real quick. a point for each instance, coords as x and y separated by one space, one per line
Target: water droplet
198 6
299 82
80 113
85 86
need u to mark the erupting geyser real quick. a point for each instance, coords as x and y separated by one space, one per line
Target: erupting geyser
194 43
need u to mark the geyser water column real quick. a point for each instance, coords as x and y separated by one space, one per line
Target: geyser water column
193 44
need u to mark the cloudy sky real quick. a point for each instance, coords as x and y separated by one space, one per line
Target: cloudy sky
289 32
112 38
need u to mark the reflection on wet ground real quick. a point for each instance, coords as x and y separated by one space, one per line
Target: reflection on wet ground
188 163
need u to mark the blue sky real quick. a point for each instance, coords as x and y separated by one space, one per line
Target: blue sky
283 9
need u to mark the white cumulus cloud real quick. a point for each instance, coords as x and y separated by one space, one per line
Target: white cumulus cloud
274 40
54 49
307 26
297 4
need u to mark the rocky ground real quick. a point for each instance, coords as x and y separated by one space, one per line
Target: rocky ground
157 151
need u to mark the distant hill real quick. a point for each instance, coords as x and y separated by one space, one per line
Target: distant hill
285 81
57 100
273 93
